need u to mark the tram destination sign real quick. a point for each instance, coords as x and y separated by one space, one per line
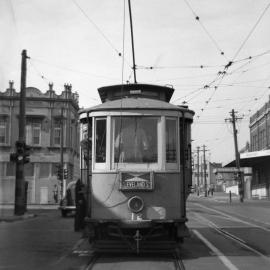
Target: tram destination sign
136 181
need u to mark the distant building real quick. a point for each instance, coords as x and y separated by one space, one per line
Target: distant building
43 134
211 178
260 129
258 157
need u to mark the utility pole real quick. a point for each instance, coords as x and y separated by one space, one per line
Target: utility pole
237 155
18 157
204 172
198 170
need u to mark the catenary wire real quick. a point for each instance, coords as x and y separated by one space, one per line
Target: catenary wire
251 31
204 28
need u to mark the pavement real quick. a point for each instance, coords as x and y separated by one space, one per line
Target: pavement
7 211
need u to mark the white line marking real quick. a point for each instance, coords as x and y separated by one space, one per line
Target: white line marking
220 255
77 245
234 218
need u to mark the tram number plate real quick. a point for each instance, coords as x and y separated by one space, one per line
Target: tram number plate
136 181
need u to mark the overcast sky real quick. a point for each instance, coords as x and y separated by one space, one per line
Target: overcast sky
183 43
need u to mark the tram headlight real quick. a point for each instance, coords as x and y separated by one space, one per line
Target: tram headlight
135 204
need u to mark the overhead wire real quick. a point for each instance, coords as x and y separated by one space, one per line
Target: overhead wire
13 15
251 31
121 101
73 70
45 79
180 67
205 30
97 28
230 63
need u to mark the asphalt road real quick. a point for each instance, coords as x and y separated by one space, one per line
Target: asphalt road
41 242
223 236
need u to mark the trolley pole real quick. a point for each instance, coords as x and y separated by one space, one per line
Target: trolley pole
20 194
198 170
132 41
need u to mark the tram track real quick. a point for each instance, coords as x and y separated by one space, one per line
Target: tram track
174 257
237 218
179 265
230 236
92 261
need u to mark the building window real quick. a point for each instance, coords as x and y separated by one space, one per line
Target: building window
255 143
57 132
263 139
2 168
10 169
29 169
3 129
55 167
44 170
33 132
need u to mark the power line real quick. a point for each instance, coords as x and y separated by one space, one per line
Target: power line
97 28
251 31
71 69
204 28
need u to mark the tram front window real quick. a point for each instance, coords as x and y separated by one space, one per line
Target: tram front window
101 140
135 139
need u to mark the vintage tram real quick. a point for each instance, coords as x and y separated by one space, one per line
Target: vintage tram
136 164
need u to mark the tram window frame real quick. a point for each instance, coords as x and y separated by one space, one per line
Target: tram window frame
138 165
104 140
173 165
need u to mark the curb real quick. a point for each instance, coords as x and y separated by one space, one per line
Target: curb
16 218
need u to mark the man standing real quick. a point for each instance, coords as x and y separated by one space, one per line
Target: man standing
55 193
80 206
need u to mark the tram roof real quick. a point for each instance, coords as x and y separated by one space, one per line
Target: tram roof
113 92
135 103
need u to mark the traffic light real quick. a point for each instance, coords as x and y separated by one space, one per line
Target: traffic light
20 150
59 172
26 156
65 174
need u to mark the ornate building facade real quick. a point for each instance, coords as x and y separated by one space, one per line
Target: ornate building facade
46 115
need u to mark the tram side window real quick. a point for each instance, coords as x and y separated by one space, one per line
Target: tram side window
101 140
135 139
171 141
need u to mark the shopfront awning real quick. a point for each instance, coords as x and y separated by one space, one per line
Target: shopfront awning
249 159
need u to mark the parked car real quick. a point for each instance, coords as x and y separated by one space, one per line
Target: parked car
67 204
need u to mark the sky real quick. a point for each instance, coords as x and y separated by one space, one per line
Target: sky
216 55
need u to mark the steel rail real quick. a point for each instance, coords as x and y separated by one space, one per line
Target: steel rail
179 265
234 238
92 261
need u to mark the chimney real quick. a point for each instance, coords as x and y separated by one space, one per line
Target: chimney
11 83
51 86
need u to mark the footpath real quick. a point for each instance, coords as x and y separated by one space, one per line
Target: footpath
252 209
7 211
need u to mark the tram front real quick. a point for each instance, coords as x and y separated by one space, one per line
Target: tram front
139 168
